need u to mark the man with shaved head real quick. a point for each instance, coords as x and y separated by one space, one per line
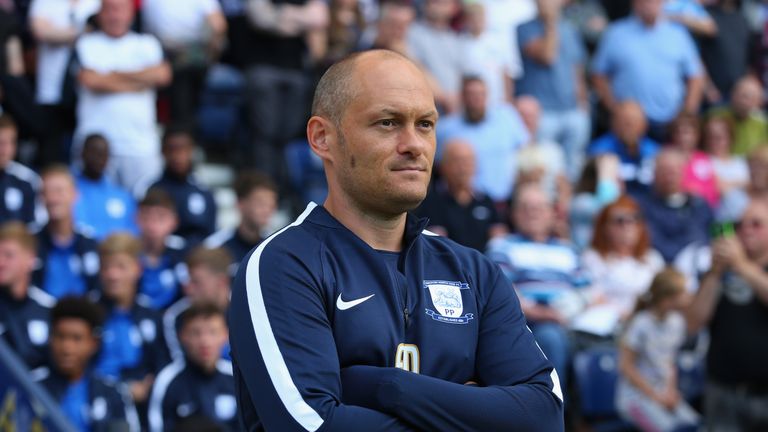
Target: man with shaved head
454 208
354 317
627 139
746 113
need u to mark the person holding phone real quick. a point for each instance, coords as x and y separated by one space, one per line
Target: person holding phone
732 302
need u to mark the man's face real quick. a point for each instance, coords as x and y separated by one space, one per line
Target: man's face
258 207
203 338
629 123
156 222
382 160
753 229
204 284
119 274
59 196
440 10
747 97
73 344
458 164
116 17
177 152
648 10
668 174
533 214
16 262
7 146
95 157
475 98
394 22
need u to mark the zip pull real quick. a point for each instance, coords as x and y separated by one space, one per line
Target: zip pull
406 316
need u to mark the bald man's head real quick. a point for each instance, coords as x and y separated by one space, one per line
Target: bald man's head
338 85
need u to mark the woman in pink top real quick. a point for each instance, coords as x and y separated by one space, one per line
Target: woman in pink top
699 173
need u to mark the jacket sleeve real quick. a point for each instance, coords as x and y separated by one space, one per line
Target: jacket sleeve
517 389
286 364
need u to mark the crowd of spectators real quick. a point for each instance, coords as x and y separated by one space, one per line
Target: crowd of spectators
610 155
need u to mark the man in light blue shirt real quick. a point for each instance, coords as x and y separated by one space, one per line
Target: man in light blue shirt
651 60
496 133
554 57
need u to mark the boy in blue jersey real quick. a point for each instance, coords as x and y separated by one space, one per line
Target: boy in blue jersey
353 317
257 201
18 184
162 255
200 383
90 401
24 309
133 349
209 282
195 206
68 263
102 205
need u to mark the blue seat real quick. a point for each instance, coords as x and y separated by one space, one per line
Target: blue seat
595 374
305 171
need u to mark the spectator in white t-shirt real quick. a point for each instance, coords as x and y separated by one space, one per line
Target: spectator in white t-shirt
192 33
120 71
489 57
56 25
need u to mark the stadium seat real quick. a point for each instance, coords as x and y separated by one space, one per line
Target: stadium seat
596 373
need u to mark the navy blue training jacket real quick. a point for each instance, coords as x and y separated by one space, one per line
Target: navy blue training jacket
327 336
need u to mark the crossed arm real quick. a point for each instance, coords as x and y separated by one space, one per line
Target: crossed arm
120 82
289 373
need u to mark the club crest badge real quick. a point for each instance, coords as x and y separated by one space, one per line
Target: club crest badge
447 300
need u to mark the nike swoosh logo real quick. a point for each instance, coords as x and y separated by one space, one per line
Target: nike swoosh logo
344 305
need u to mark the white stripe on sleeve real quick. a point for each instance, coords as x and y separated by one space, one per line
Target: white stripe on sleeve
286 389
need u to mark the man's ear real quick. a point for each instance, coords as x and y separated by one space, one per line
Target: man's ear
321 134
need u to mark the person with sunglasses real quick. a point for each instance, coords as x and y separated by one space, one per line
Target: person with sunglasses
732 303
620 260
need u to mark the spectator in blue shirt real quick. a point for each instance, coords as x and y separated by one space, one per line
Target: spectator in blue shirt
90 401
675 218
256 203
545 271
162 254
101 205
18 184
68 263
628 141
651 60
496 134
554 58
133 349
24 309
194 203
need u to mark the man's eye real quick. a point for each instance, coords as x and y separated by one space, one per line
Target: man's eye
427 124
387 122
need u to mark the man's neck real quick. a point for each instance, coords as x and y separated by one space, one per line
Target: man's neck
153 248
438 24
62 230
124 302
93 176
74 376
19 290
648 22
380 232
461 193
249 232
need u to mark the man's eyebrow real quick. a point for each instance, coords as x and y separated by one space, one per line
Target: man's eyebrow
398 113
